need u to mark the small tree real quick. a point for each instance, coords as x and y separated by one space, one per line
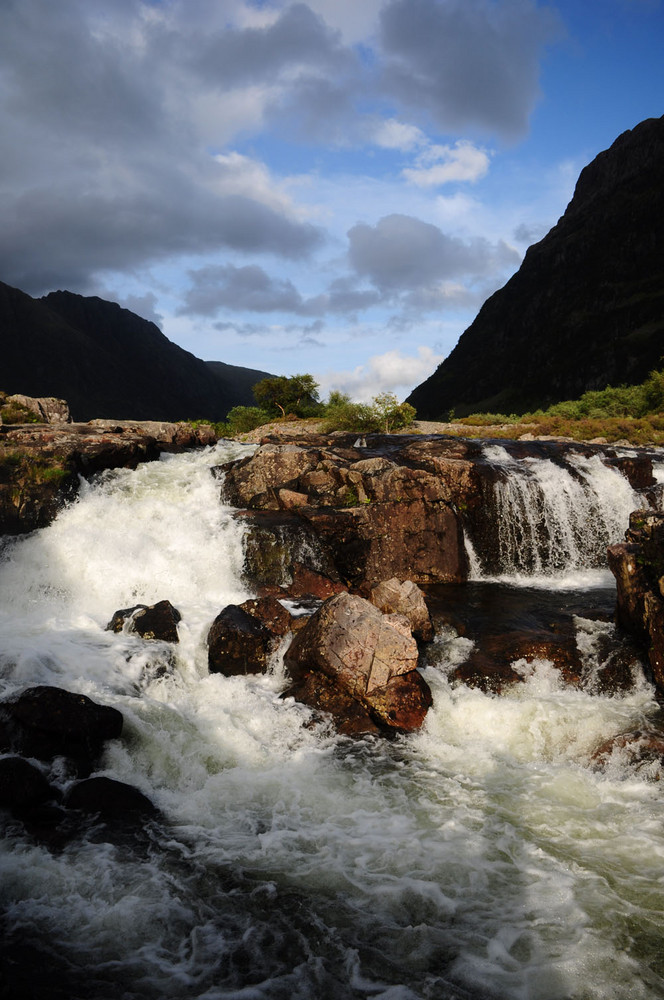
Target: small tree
280 394
391 413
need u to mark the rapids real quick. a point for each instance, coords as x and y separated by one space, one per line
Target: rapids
482 857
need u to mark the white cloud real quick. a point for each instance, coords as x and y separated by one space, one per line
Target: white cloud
393 371
393 134
438 165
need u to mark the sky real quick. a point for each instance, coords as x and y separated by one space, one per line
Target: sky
331 186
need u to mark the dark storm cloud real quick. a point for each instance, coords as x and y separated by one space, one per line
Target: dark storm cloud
102 167
252 289
404 253
466 62
297 38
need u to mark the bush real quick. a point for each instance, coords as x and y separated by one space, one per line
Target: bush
241 419
385 413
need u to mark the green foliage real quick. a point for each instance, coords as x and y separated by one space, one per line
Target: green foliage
241 419
384 413
281 395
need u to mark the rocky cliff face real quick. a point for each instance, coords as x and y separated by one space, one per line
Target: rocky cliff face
107 361
586 308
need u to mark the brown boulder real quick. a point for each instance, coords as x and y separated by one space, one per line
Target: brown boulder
404 598
270 612
367 655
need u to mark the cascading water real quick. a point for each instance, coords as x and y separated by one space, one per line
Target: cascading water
482 857
555 520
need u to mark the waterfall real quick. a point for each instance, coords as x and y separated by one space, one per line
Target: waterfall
554 520
483 856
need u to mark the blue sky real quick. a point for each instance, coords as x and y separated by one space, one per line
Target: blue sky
332 186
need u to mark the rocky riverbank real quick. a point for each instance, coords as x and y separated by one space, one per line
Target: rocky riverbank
40 463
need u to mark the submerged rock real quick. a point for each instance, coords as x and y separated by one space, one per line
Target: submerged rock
22 784
370 657
113 801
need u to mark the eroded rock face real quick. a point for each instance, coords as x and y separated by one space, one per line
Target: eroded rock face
373 516
45 409
638 566
369 656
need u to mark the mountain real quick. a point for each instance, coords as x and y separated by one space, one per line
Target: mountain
108 362
586 307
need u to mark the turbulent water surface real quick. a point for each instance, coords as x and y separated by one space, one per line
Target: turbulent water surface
481 857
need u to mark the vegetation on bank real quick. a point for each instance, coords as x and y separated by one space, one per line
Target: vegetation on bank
624 413
634 413
13 412
297 397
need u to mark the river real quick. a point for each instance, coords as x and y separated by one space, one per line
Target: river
481 857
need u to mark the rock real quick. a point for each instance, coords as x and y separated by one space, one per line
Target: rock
365 654
404 598
45 722
642 750
22 784
238 643
638 566
283 551
270 612
40 464
351 717
113 801
154 621
44 409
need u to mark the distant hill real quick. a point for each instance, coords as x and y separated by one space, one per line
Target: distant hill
585 309
108 362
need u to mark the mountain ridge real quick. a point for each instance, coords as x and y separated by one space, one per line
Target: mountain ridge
586 307
108 362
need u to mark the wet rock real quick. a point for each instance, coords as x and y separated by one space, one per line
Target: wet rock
270 612
40 464
22 784
283 551
404 598
46 722
238 643
154 621
638 566
366 654
113 801
639 749
351 717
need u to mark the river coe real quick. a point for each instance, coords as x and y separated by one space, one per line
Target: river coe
484 856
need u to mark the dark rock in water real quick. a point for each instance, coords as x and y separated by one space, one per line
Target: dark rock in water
351 717
23 784
638 566
154 621
238 643
593 289
113 801
46 722
369 656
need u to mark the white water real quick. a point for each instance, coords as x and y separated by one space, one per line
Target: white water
481 857
554 523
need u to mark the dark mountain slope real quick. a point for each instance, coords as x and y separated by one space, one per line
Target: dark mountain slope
586 308
108 362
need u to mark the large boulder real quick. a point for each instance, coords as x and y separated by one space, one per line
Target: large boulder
369 656
113 801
